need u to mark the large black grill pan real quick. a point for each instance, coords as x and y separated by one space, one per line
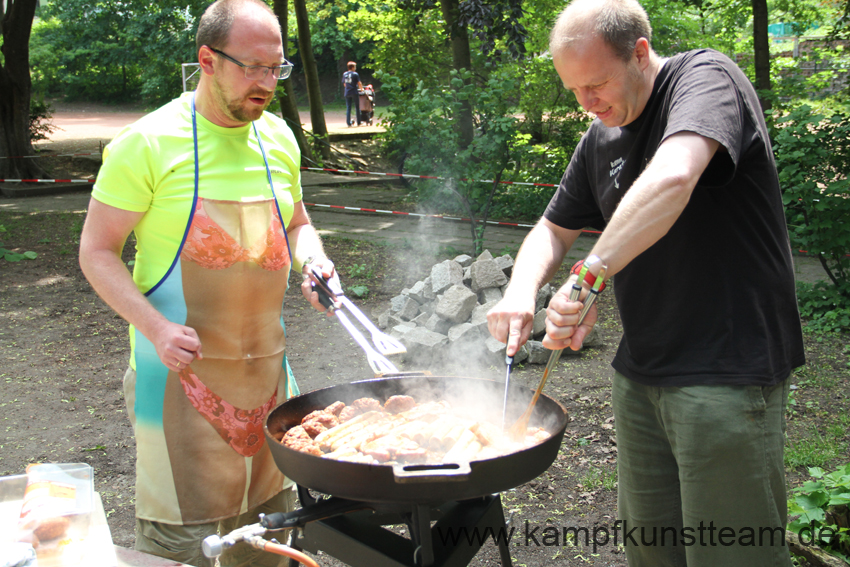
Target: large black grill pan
418 483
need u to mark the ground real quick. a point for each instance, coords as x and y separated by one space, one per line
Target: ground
63 354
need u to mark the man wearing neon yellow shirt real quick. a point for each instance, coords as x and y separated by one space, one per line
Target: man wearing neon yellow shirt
211 186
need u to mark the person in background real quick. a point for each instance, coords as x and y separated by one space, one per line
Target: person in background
678 172
352 84
210 184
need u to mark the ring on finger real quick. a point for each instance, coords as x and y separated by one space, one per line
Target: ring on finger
178 364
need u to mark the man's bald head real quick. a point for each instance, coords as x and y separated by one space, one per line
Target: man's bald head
619 23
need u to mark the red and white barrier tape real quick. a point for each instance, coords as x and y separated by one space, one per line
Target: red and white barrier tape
46 180
51 155
403 175
443 217
411 176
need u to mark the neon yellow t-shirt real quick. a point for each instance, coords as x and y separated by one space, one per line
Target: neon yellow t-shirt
150 167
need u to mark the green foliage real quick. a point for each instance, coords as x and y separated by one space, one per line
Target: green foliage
114 50
813 157
408 45
679 26
40 126
11 256
358 291
824 307
821 512
817 449
422 125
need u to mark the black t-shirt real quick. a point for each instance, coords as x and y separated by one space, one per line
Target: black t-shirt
713 301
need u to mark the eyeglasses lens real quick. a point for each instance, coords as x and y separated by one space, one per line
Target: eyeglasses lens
258 73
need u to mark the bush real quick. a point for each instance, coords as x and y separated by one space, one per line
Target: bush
40 125
422 128
812 157
820 510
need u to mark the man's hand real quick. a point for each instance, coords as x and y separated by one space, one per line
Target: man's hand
176 345
329 272
561 319
511 321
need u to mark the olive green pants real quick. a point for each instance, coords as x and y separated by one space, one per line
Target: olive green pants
183 543
701 477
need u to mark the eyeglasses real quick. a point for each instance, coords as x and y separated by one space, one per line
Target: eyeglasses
259 72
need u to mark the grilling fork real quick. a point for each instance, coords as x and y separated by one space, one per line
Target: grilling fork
518 429
333 299
384 343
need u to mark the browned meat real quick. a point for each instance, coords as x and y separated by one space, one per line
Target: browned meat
358 407
298 439
367 404
347 413
335 408
428 411
296 432
313 428
307 447
321 416
392 447
401 431
398 404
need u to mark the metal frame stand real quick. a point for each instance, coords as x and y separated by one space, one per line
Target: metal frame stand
360 539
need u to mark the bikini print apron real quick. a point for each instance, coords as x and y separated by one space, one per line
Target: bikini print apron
201 452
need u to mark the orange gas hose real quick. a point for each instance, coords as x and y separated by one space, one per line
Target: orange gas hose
287 551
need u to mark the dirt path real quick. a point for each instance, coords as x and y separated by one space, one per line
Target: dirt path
98 122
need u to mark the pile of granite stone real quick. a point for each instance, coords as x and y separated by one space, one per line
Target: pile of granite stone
445 315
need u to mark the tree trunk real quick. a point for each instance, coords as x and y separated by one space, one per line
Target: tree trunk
461 60
761 48
288 104
314 93
15 92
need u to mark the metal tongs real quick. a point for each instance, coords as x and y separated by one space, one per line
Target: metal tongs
333 298
519 428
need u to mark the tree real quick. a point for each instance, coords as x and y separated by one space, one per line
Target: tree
462 62
115 50
16 90
761 52
488 22
314 92
288 104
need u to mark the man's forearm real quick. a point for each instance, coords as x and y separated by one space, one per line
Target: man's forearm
306 244
110 278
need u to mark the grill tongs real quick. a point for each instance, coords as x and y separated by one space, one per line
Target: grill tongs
518 429
333 298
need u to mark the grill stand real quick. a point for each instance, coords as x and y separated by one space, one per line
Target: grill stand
359 539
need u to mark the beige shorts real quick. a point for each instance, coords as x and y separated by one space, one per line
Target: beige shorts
183 543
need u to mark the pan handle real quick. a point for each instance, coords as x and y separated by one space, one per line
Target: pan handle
451 472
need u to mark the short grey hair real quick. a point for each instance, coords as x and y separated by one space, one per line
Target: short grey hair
215 24
620 23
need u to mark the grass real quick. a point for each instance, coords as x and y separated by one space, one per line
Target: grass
595 478
820 448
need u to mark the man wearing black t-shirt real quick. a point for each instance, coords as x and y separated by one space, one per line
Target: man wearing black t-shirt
678 173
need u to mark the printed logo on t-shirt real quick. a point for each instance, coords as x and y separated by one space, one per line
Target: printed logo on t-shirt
616 167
